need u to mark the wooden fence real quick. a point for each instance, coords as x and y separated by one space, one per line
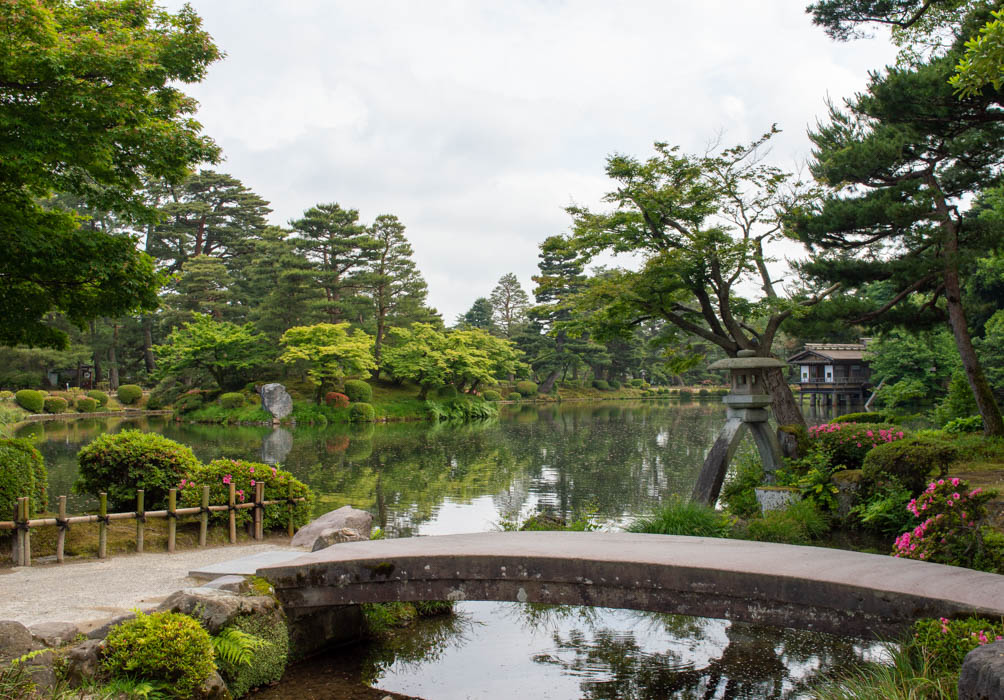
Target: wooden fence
22 524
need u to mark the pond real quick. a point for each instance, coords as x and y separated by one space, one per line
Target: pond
609 460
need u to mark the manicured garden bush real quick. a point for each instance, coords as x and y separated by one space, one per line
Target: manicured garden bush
614 384
446 392
636 383
910 463
87 405
526 388
129 394
22 473
220 473
189 401
862 417
120 463
166 647
232 400
601 384
514 396
268 660
30 400
972 424
99 396
358 391
491 395
361 413
848 443
54 404
336 399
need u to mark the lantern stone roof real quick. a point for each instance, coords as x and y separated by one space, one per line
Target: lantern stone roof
747 360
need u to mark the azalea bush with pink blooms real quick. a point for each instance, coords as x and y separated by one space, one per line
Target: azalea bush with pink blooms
951 528
946 642
848 443
220 473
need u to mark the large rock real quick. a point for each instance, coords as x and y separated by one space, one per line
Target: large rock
332 536
54 634
344 517
276 400
214 688
982 675
102 631
276 445
83 662
232 584
15 640
214 608
42 670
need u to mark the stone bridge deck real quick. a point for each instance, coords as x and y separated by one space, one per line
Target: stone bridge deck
828 590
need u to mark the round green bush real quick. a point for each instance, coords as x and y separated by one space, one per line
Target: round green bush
30 400
526 388
6 395
232 400
514 396
911 462
861 417
446 392
491 395
614 384
358 391
637 383
120 463
129 394
601 384
167 647
87 405
54 404
188 402
22 473
99 396
361 413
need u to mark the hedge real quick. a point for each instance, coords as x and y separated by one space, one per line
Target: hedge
55 404
614 384
848 443
99 396
601 384
526 388
22 473
491 395
361 413
128 394
30 400
862 417
911 462
514 396
232 400
358 391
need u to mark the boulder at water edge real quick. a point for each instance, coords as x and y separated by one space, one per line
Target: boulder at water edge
332 536
982 676
214 608
344 517
276 400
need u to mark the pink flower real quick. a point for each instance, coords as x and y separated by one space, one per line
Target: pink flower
227 479
183 482
241 494
251 469
252 482
956 496
955 481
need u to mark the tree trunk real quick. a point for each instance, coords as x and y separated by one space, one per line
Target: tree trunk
96 374
548 384
148 359
782 402
113 371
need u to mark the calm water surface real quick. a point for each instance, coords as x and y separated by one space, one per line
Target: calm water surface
611 460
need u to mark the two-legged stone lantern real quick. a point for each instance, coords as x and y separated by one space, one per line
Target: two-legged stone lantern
747 408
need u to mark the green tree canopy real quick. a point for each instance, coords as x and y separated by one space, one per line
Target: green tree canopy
509 304
233 355
329 352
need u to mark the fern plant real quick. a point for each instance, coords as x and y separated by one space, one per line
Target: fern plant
235 647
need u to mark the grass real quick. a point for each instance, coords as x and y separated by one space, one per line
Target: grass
908 675
686 518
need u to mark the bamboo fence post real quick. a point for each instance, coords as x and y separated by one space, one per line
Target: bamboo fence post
102 525
140 519
18 539
172 519
289 500
259 509
233 514
61 536
204 524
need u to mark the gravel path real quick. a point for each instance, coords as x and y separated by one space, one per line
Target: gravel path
90 592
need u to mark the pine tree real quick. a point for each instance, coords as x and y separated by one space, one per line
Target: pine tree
509 305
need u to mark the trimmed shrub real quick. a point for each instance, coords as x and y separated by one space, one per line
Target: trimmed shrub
361 413
232 400
848 443
862 417
154 403
30 400
908 462
220 473
636 383
87 405
55 404
514 396
166 647
121 463
268 661
446 392
22 473
336 399
358 391
972 424
99 396
491 395
526 388
6 395
129 394
601 384
614 384
189 401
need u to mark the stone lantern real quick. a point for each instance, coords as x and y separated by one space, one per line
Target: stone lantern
747 404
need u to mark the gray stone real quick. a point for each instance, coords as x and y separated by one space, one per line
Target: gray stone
332 536
83 662
245 566
344 517
102 631
15 640
276 400
42 670
276 445
776 497
214 608
54 634
317 628
233 584
982 675
214 688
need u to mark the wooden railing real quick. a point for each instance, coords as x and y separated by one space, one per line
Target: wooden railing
22 524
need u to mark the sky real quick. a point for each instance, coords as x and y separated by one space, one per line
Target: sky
477 123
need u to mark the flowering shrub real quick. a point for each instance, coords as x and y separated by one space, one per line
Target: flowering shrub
336 399
848 443
951 530
220 473
946 642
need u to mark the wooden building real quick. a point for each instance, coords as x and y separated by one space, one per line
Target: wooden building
832 373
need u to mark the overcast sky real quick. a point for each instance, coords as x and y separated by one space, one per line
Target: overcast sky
477 123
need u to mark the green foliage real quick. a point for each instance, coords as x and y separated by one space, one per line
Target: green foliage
885 512
329 353
614 384
135 689
514 396
848 443
462 408
232 355
99 396
971 424
982 64
910 462
30 400
358 391
22 473
164 646
54 404
446 392
526 388
799 523
946 642
128 394
685 518
189 401
220 473
235 648
336 399
812 476
959 403
862 417
232 400
120 463
902 393
6 395
491 395
381 618
801 435
601 384
87 405
739 490
361 413
267 660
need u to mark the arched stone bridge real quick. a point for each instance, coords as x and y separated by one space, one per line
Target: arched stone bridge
828 590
